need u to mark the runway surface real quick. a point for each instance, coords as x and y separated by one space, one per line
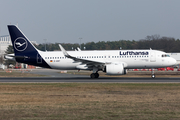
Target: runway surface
88 80
54 76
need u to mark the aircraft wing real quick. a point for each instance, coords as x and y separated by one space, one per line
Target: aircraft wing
83 61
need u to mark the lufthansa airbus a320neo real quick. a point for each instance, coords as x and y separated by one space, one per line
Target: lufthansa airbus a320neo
113 62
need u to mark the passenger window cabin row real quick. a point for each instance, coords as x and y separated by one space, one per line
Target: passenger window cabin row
91 57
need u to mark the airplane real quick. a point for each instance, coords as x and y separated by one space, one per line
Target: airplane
113 62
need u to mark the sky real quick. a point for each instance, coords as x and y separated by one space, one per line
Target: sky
66 21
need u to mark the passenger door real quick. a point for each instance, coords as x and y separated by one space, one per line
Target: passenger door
152 56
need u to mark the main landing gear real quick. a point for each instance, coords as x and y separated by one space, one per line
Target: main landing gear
94 75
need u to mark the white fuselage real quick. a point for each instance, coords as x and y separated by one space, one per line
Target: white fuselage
130 58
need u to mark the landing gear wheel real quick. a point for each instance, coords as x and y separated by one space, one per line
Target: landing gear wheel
153 76
94 75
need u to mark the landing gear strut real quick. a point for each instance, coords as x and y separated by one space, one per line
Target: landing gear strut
152 73
94 75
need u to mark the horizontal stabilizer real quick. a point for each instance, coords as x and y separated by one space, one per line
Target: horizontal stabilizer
9 57
12 57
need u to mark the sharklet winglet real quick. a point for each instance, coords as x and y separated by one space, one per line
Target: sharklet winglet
64 51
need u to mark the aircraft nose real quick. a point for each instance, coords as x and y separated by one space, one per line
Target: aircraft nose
173 61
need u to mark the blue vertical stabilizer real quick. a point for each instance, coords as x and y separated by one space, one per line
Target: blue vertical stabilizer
24 50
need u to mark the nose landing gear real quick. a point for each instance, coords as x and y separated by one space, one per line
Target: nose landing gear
153 76
152 73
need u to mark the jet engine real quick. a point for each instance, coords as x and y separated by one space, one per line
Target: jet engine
115 69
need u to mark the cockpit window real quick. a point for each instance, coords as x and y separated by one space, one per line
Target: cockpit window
165 55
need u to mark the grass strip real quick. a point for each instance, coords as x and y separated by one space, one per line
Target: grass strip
66 101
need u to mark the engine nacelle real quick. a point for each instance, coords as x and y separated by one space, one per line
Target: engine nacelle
115 69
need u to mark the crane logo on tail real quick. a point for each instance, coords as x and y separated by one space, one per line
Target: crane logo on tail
20 44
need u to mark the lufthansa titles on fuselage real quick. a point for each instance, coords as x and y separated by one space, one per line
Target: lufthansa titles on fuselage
133 53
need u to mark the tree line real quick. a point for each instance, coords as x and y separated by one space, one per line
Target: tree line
166 44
